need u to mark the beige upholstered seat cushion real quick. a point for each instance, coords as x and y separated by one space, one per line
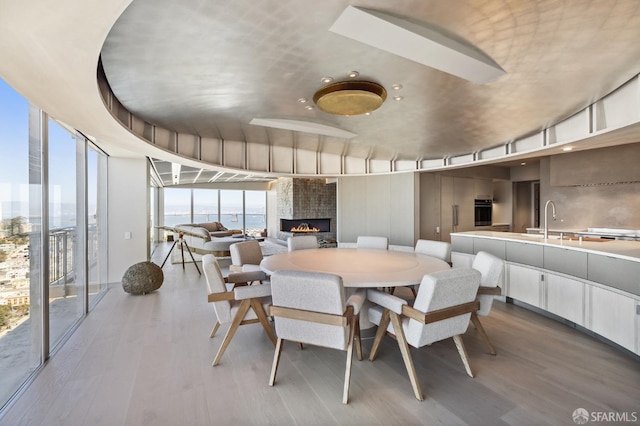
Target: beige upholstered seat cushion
212 226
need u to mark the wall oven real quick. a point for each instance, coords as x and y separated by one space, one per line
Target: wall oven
483 212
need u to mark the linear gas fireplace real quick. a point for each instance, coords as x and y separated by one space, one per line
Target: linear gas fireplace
305 226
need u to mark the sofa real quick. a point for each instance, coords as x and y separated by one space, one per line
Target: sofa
209 237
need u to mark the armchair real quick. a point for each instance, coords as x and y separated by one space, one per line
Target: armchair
441 310
438 249
491 268
302 242
310 307
245 256
236 305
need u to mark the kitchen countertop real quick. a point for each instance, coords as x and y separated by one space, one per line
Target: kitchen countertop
629 250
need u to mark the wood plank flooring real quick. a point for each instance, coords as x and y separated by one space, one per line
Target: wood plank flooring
146 360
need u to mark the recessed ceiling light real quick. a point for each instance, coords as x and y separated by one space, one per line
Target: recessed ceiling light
354 74
309 107
367 113
302 100
396 86
523 164
567 148
398 98
326 80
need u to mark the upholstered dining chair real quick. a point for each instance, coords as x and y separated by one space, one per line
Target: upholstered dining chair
441 310
370 242
236 305
311 307
437 249
491 267
302 242
245 256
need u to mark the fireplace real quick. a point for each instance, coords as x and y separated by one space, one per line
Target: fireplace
305 226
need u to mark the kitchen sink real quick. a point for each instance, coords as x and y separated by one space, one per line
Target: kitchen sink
567 238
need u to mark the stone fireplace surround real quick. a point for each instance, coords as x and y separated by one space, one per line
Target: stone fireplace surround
312 201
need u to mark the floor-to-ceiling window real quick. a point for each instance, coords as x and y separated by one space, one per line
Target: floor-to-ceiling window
66 293
231 209
235 209
20 245
53 245
205 205
97 236
177 206
255 207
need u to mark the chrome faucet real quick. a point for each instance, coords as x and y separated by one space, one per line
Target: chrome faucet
553 214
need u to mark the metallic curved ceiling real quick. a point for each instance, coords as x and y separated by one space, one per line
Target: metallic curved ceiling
209 67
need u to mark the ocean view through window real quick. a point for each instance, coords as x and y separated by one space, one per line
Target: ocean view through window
235 209
53 245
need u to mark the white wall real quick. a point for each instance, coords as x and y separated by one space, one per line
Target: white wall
383 205
128 199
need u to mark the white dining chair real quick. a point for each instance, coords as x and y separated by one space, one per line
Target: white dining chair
441 310
311 308
437 249
245 256
372 242
235 305
302 242
491 267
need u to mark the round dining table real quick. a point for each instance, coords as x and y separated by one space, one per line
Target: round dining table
359 267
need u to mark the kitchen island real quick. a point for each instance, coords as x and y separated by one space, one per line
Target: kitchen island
592 283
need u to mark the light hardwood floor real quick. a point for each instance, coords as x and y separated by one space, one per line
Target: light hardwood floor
146 360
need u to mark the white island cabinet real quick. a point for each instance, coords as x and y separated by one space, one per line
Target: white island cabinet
595 285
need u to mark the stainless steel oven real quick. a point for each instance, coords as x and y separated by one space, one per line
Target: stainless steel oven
483 212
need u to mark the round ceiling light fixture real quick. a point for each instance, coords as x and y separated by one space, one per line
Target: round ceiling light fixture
350 97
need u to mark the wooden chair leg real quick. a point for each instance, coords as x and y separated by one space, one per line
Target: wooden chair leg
276 361
406 355
483 334
262 317
242 311
300 346
347 370
382 328
463 354
215 329
357 337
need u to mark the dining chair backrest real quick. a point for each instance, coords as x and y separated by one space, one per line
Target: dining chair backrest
441 290
438 249
491 267
371 242
216 284
312 292
246 253
302 242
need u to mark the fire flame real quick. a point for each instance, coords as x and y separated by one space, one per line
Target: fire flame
304 227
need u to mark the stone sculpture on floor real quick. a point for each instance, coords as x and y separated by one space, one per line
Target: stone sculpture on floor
142 278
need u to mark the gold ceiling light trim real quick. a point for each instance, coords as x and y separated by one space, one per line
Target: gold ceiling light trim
350 97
